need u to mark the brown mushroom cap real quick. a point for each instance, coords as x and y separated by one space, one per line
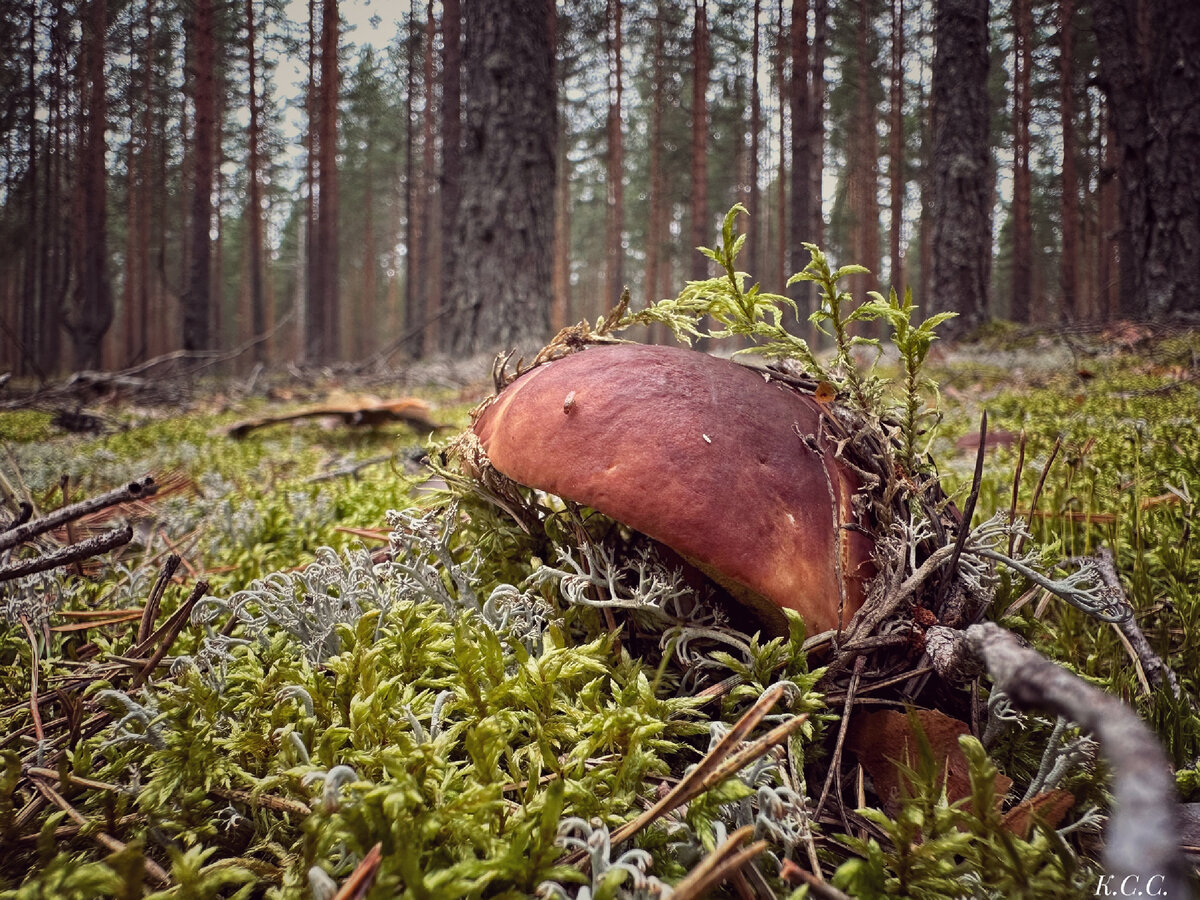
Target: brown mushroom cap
699 453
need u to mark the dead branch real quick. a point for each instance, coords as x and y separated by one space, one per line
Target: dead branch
356 412
93 546
1142 833
135 490
1156 670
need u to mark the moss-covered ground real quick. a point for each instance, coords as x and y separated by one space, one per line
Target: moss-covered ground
453 708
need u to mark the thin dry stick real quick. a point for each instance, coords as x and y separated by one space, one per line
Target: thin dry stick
153 869
35 657
135 490
836 762
720 762
964 528
179 619
156 595
362 877
1037 493
1152 664
1012 509
94 546
718 865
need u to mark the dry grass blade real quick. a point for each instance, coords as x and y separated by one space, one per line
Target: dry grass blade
362 877
688 787
718 865
108 842
964 528
156 595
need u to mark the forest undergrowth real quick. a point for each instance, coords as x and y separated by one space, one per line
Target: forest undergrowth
388 688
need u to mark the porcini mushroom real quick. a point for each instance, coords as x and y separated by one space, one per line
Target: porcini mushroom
701 454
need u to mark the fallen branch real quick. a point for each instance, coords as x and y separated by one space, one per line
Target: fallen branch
135 490
94 546
1157 671
1142 838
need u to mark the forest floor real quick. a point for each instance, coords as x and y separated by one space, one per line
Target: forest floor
313 644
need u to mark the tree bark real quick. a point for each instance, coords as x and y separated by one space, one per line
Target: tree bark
326 345
961 182
615 219
93 313
799 99
699 162
1022 209
756 228
258 314
451 135
430 284
657 226
1156 121
505 236
896 149
1071 302
197 297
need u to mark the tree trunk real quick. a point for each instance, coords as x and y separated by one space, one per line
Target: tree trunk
328 343
658 200
896 149
451 135
1071 302
699 165
312 318
816 119
505 235
1156 121
430 284
258 314
411 315
864 173
93 292
800 98
614 221
756 229
197 296
1022 211
783 237
560 301
961 184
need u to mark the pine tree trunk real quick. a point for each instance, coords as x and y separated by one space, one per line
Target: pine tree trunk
961 183
505 236
328 343
197 297
413 316
896 149
1071 301
699 163
1156 119
864 175
1022 212
258 313
614 221
93 313
782 233
799 98
816 117
755 228
430 285
451 135
658 200
312 318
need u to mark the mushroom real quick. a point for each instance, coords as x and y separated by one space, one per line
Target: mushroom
708 457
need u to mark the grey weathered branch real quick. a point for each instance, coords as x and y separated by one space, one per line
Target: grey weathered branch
1142 838
94 546
1157 671
135 490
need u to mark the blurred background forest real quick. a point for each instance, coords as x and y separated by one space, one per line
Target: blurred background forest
193 175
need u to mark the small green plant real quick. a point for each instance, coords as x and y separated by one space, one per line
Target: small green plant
752 313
